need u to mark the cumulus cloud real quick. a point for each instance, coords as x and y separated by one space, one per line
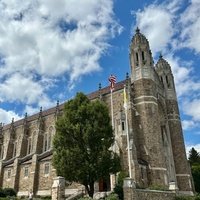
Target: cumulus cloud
188 124
155 21
190 20
7 116
41 41
30 110
52 38
192 108
20 88
186 83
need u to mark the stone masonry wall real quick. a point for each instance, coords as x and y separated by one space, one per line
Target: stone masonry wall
146 104
154 195
45 180
178 147
8 180
24 183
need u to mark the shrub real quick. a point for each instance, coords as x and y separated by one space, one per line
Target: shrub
197 197
119 191
2 193
181 198
85 198
119 186
157 187
196 177
45 197
112 196
9 192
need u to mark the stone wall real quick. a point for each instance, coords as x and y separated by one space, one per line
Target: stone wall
8 177
24 183
131 193
155 195
45 178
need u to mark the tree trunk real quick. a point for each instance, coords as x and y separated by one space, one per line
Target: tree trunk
90 189
91 192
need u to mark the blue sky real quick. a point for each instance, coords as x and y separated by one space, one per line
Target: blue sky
49 50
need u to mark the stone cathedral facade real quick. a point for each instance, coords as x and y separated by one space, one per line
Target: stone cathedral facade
157 148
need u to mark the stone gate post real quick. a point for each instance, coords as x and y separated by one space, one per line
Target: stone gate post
129 189
58 188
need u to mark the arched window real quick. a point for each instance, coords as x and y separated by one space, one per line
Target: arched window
26 171
46 169
123 126
51 134
1 151
48 139
29 146
45 144
137 58
143 58
161 79
167 81
8 173
15 149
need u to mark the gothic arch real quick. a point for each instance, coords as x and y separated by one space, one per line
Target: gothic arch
30 140
48 136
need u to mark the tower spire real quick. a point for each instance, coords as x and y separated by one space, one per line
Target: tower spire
137 30
140 57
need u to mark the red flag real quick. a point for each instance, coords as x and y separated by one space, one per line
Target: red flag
112 80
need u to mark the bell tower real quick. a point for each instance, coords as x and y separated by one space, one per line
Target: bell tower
164 72
145 101
141 60
182 172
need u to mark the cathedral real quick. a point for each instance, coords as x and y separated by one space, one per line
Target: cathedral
157 151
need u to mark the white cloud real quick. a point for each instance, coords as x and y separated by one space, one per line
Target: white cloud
192 108
20 88
190 21
186 83
155 21
31 110
7 116
50 39
26 91
188 124
37 42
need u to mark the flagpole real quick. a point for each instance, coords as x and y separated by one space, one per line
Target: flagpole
112 115
112 80
127 132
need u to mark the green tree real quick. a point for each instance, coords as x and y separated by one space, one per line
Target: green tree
82 143
119 186
196 177
194 157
